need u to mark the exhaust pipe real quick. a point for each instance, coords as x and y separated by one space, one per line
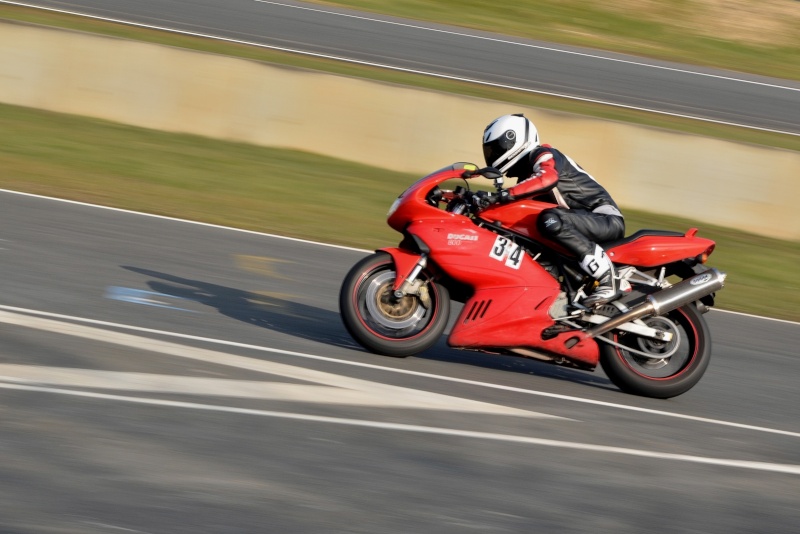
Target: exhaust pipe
663 301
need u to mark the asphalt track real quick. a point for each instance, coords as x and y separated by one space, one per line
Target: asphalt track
668 88
164 376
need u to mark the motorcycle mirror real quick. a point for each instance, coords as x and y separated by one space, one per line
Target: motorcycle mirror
491 173
498 182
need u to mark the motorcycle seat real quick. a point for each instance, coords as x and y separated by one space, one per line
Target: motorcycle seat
641 233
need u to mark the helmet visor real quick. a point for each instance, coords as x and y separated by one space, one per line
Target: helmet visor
494 149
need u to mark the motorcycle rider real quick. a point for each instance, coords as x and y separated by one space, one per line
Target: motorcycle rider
586 213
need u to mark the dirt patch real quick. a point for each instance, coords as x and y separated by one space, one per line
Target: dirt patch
769 22
761 22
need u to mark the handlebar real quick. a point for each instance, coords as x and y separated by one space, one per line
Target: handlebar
482 199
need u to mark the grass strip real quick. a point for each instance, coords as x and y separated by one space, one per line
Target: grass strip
299 194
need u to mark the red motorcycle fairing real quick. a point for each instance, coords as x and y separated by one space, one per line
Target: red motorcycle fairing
478 257
512 293
412 205
515 317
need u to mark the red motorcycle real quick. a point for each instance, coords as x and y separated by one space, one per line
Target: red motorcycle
522 293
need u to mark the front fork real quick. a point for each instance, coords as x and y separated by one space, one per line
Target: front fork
408 266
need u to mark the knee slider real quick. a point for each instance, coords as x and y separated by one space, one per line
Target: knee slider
550 223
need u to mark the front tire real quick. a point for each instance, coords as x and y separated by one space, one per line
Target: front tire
381 322
686 357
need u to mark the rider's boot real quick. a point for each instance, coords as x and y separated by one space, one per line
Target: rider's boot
603 293
599 266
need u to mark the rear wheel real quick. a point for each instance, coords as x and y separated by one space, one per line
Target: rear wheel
659 369
383 323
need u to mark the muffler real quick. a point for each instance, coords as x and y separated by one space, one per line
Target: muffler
663 301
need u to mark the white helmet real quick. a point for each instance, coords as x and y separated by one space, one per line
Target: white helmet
507 140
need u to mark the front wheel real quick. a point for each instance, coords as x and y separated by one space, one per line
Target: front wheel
383 323
652 368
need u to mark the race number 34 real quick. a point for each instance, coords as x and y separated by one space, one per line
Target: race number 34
507 251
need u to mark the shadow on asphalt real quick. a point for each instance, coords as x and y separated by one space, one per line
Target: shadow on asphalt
281 315
323 326
516 364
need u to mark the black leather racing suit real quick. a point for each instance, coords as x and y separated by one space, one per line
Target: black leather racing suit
586 213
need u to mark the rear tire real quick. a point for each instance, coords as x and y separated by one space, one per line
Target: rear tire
384 324
660 378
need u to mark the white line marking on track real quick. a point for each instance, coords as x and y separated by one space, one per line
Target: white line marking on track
175 219
402 69
337 389
345 390
411 373
788 469
529 45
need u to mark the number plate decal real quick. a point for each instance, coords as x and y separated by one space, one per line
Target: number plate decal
506 251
